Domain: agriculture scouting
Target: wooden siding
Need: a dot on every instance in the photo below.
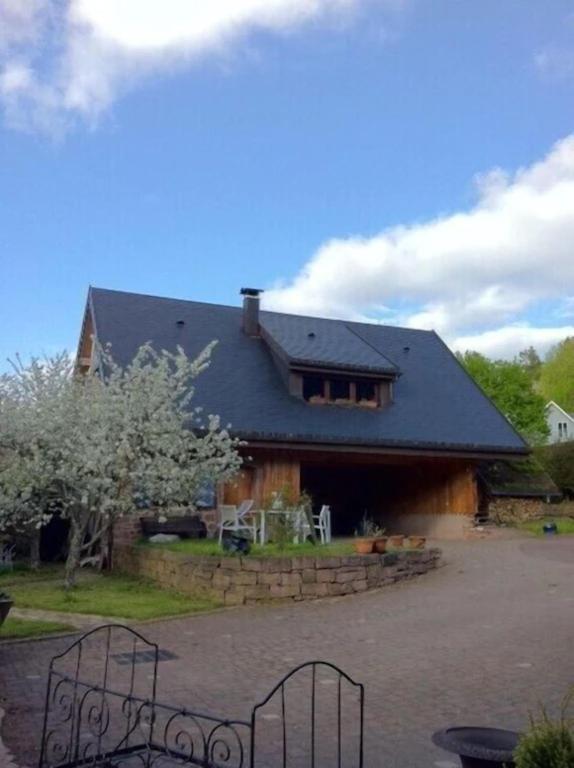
(240, 488)
(269, 473)
(385, 483)
(445, 488)
(86, 346)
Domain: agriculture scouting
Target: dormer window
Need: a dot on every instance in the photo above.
(313, 388)
(366, 392)
(340, 391)
(319, 390)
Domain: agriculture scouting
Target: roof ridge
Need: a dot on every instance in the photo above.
(237, 308)
(164, 298)
(372, 346)
(361, 323)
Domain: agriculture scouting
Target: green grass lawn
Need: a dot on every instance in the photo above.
(102, 595)
(21, 573)
(565, 525)
(211, 547)
(14, 628)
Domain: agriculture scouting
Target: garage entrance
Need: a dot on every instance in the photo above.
(402, 494)
(353, 492)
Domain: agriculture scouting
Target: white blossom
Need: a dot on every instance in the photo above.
(101, 445)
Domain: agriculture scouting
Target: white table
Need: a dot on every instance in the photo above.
(298, 522)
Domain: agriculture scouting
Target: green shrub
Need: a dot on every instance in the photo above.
(547, 744)
(558, 461)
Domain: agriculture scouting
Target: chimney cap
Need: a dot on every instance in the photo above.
(251, 292)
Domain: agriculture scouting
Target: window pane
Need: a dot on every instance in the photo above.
(313, 386)
(366, 390)
(340, 389)
(206, 496)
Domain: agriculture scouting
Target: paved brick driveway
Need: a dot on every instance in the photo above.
(479, 641)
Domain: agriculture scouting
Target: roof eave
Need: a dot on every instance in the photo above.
(311, 442)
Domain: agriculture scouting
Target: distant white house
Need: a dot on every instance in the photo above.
(560, 423)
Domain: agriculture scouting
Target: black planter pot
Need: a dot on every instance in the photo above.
(5, 605)
(236, 544)
(479, 747)
(550, 529)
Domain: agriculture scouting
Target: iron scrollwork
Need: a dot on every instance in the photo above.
(89, 723)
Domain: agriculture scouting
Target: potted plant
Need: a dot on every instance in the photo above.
(363, 545)
(547, 743)
(396, 541)
(290, 517)
(6, 603)
(416, 542)
(380, 540)
(367, 535)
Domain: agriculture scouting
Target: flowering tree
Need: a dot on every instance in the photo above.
(110, 441)
(31, 423)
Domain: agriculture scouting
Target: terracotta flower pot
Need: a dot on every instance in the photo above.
(396, 541)
(381, 544)
(364, 546)
(416, 542)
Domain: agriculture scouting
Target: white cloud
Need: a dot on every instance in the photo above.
(80, 54)
(19, 21)
(506, 342)
(555, 63)
(469, 274)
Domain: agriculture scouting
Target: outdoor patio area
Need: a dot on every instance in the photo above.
(479, 641)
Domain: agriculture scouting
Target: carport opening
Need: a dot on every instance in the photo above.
(355, 491)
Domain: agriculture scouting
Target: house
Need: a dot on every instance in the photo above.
(370, 419)
(560, 423)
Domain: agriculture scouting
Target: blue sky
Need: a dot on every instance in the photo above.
(400, 160)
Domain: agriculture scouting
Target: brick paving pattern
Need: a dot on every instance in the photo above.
(480, 641)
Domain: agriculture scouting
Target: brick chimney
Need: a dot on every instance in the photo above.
(251, 310)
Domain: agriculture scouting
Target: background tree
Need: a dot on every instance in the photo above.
(110, 441)
(530, 360)
(558, 461)
(510, 387)
(557, 375)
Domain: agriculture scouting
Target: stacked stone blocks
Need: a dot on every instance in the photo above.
(244, 580)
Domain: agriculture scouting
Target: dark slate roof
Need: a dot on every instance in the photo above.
(519, 478)
(436, 405)
(327, 343)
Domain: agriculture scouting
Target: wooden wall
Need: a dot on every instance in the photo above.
(397, 484)
(86, 344)
(240, 488)
(435, 489)
(269, 472)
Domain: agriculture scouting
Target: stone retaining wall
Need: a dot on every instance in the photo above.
(239, 580)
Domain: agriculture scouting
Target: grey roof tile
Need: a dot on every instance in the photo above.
(318, 341)
(436, 404)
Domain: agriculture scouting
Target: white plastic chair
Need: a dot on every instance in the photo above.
(321, 524)
(237, 519)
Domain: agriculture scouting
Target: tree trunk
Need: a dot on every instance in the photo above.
(74, 554)
(106, 543)
(35, 549)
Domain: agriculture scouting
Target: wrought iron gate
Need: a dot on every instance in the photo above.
(101, 710)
